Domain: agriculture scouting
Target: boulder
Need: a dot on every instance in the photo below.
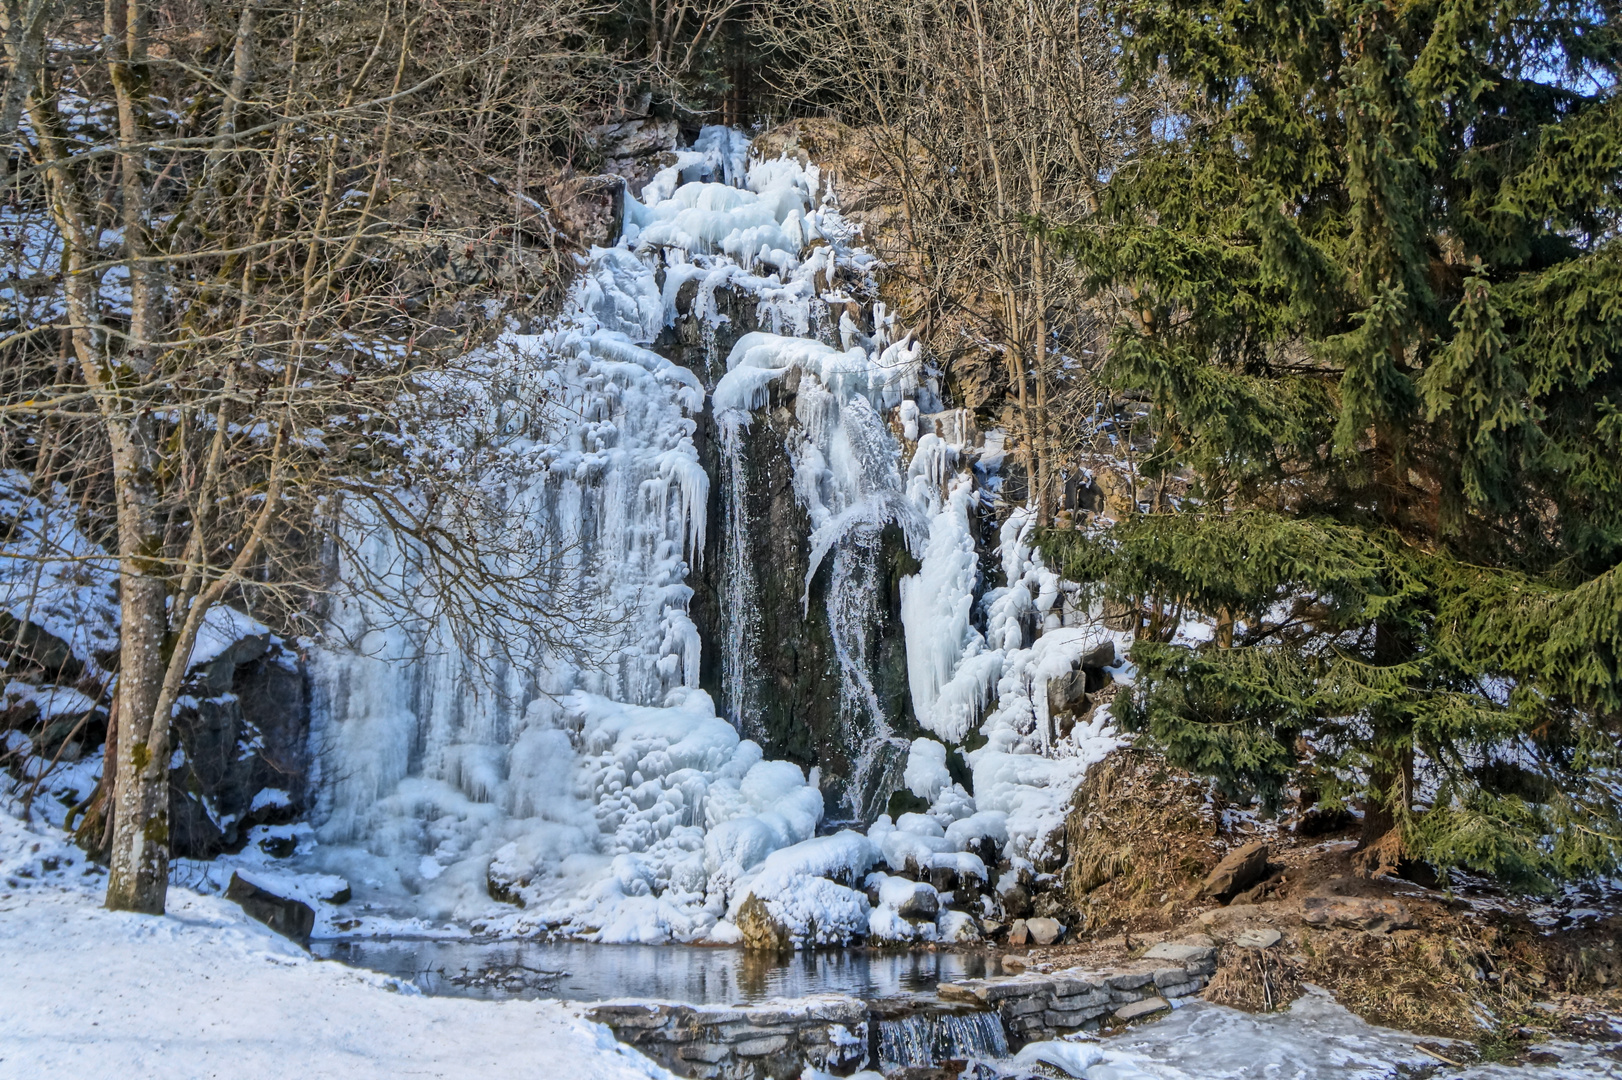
(1102, 656)
(1068, 693)
(1044, 931)
(1238, 871)
(290, 918)
(1263, 938)
(1019, 932)
(1181, 953)
(1016, 901)
(923, 903)
(957, 928)
(760, 930)
(1356, 913)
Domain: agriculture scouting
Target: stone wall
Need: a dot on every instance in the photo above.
(1035, 1007)
(756, 1042)
(775, 1041)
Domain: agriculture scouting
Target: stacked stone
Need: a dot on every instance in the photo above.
(754, 1042)
(1041, 1006)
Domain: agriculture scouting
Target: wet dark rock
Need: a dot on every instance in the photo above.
(290, 918)
(786, 695)
(242, 729)
(1016, 901)
(279, 847)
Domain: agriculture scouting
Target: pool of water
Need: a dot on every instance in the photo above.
(577, 971)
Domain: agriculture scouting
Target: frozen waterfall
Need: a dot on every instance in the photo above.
(517, 779)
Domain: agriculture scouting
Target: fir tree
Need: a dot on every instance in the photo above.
(1373, 267)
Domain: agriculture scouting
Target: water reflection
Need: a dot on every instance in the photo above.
(578, 971)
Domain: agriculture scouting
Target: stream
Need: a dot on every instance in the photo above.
(580, 971)
(1315, 1039)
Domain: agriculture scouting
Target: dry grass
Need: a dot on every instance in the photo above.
(1457, 980)
(1256, 980)
(1140, 836)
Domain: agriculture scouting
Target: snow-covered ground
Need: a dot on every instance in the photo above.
(205, 991)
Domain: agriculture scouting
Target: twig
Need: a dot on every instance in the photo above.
(1432, 1053)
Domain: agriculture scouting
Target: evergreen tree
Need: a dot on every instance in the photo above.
(1375, 285)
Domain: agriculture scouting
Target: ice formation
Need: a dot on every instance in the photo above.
(497, 776)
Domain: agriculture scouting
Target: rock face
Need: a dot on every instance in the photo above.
(243, 730)
(770, 662)
(290, 918)
(1238, 871)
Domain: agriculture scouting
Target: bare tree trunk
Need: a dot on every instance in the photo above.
(139, 877)
(24, 34)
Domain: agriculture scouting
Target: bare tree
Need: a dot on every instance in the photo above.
(982, 122)
(263, 235)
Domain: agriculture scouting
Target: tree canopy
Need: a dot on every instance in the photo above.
(1374, 286)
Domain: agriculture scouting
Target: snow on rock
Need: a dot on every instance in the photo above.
(49, 702)
(926, 775)
(222, 627)
(77, 990)
(957, 928)
(52, 575)
(806, 889)
(906, 910)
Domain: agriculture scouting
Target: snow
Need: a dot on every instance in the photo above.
(885, 923)
(222, 627)
(1313, 1038)
(206, 991)
(926, 775)
(52, 574)
(936, 606)
(50, 701)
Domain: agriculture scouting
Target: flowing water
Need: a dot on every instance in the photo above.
(926, 1039)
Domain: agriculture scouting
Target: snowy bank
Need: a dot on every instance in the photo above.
(206, 991)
